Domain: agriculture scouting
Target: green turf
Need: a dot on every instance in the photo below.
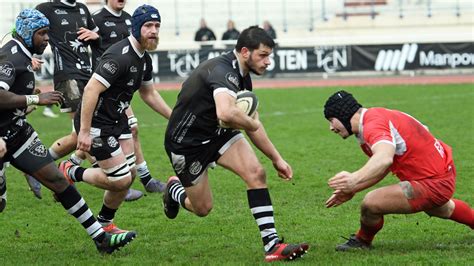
(39, 232)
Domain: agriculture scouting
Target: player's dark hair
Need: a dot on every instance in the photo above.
(252, 37)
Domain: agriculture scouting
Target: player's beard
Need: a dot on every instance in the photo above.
(253, 68)
(149, 44)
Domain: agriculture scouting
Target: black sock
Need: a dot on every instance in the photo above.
(106, 215)
(77, 207)
(261, 206)
(145, 179)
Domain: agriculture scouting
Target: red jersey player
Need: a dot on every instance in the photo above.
(399, 143)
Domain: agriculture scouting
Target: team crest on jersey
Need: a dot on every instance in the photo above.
(14, 49)
(123, 106)
(232, 79)
(60, 12)
(125, 49)
(81, 11)
(64, 22)
(112, 142)
(130, 83)
(37, 148)
(195, 168)
(113, 34)
(6, 70)
(110, 67)
(110, 24)
(133, 69)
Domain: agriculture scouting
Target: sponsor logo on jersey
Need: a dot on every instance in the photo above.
(31, 85)
(37, 148)
(6, 70)
(60, 12)
(130, 83)
(125, 49)
(113, 34)
(110, 67)
(396, 59)
(232, 79)
(81, 11)
(110, 24)
(133, 69)
(128, 22)
(14, 49)
(64, 22)
(112, 142)
(195, 168)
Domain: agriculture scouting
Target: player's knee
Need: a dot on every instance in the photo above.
(256, 176)
(203, 210)
(119, 176)
(369, 204)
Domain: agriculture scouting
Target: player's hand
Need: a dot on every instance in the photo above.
(337, 198)
(84, 141)
(51, 97)
(343, 181)
(36, 63)
(284, 169)
(87, 35)
(3, 147)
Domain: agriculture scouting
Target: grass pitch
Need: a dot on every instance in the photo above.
(40, 232)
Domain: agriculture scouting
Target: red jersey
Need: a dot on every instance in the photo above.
(418, 154)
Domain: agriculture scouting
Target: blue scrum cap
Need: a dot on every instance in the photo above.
(142, 14)
(28, 22)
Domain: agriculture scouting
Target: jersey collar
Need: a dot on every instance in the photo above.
(130, 39)
(23, 48)
(68, 4)
(113, 12)
(238, 63)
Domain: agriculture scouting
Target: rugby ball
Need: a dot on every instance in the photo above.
(246, 101)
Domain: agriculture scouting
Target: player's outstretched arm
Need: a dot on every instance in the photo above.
(261, 140)
(9, 100)
(153, 99)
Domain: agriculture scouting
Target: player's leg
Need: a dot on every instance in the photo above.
(456, 210)
(385, 200)
(151, 184)
(33, 159)
(240, 158)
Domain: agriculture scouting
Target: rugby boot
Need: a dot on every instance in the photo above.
(170, 206)
(285, 251)
(133, 194)
(353, 243)
(113, 242)
(154, 186)
(113, 229)
(35, 186)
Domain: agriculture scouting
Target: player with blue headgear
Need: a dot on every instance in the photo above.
(144, 15)
(27, 23)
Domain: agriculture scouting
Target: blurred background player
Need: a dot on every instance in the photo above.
(114, 25)
(24, 149)
(194, 140)
(102, 124)
(399, 143)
